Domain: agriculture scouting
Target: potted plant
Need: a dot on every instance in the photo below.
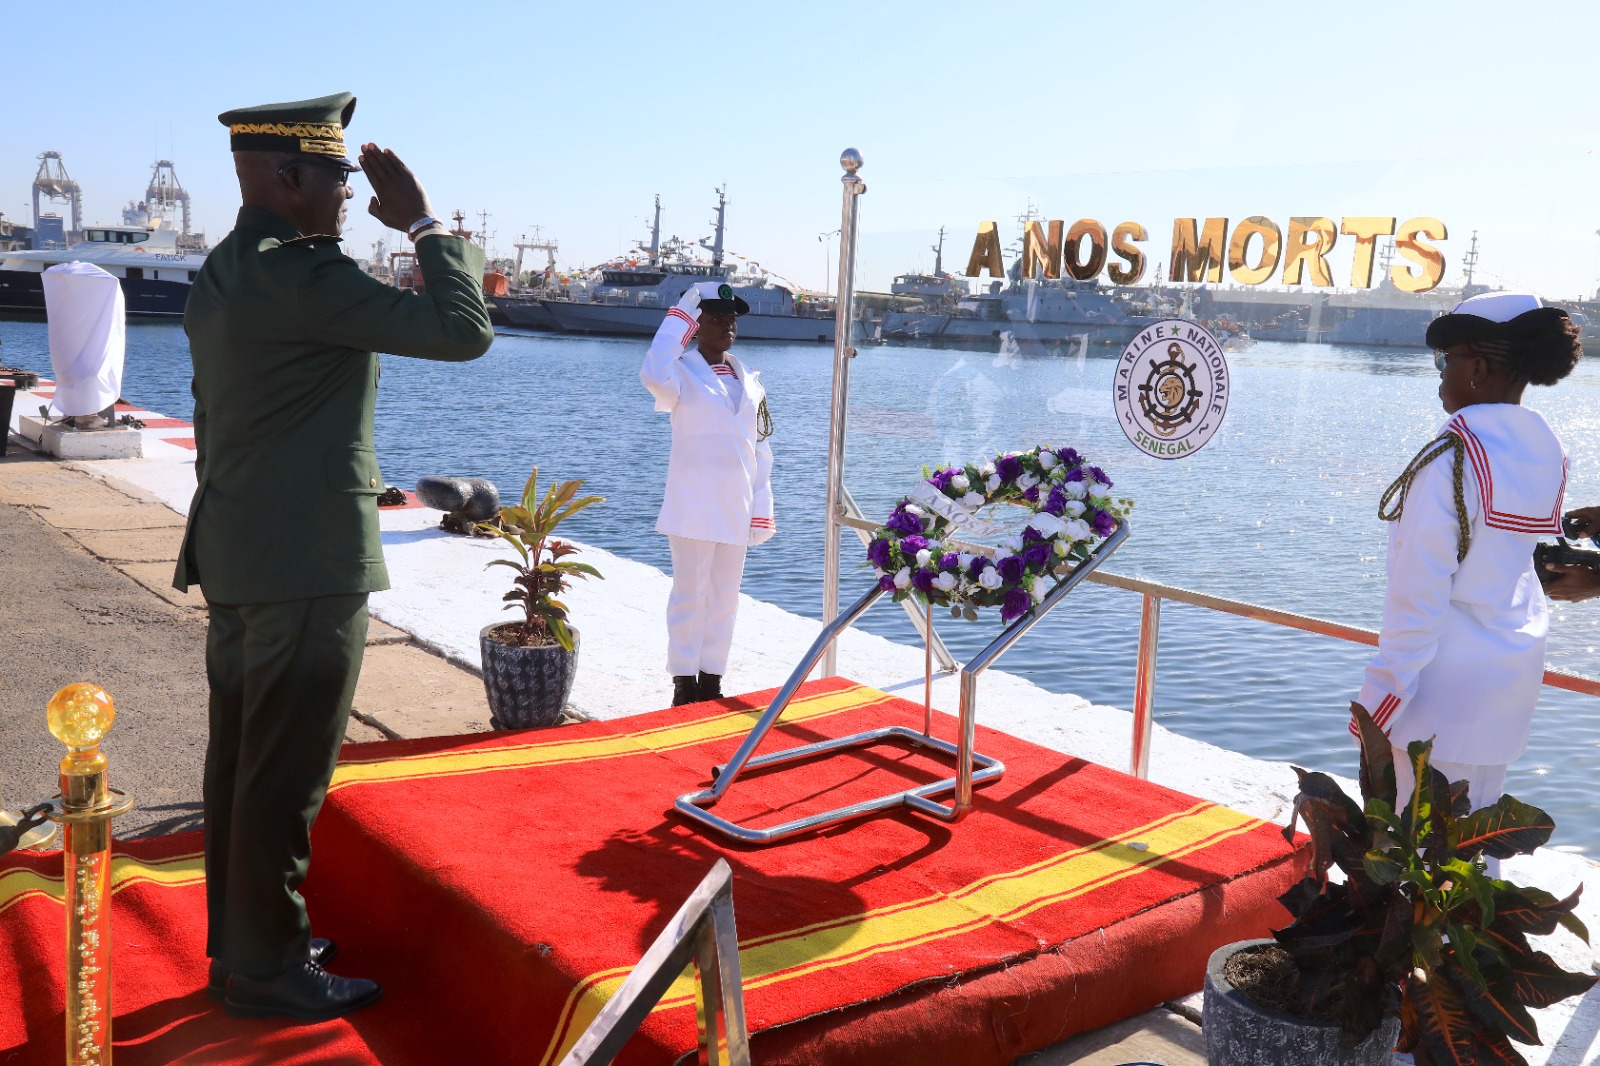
(528, 665)
(1417, 949)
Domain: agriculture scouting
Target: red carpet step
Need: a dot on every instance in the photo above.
(502, 886)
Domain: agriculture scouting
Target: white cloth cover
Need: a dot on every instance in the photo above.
(702, 605)
(88, 336)
(719, 475)
(1461, 655)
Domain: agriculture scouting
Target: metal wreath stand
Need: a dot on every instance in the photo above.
(972, 769)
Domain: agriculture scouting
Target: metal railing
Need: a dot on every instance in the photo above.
(1154, 593)
(702, 932)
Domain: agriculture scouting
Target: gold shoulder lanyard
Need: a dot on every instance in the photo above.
(1402, 485)
(763, 421)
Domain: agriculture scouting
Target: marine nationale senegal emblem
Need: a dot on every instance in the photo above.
(1170, 390)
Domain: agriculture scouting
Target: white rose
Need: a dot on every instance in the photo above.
(990, 578)
(912, 508)
(945, 582)
(1002, 552)
(1075, 490)
(986, 469)
(902, 580)
(1047, 524)
(923, 556)
(1048, 460)
(1038, 589)
(1014, 542)
(965, 559)
(960, 483)
(1063, 546)
(992, 483)
(1027, 480)
(1078, 529)
(1098, 488)
(1073, 508)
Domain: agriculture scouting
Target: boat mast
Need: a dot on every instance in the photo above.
(1470, 260)
(716, 245)
(938, 255)
(655, 236)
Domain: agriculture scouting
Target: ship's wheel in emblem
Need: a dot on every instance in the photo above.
(1169, 397)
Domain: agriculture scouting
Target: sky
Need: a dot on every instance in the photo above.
(573, 117)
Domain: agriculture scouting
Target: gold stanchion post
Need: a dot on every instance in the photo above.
(80, 716)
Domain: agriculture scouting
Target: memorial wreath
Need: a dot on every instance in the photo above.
(1071, 510)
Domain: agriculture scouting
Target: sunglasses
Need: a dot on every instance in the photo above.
(1439, 358)
(343, 172)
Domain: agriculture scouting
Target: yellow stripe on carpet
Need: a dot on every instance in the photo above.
(1001, 897)
(126, 871)
(588, 749)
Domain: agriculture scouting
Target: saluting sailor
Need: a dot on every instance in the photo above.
(1461, 655)
(719, 480)
(283, 529)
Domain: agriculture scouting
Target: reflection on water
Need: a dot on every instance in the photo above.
(1279, 508)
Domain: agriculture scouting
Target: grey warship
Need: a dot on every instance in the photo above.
(631, 297)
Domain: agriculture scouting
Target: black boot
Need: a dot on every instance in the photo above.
(307, 992)
(710, 686)
(685, 689)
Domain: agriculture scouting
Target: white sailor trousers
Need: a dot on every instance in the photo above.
(703, 604)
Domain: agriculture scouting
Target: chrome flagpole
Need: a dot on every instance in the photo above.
(843, 352)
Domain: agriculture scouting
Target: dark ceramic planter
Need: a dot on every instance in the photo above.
(1239, 1033)
(527, 687)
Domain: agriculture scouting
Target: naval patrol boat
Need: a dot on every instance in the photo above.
(631, 296)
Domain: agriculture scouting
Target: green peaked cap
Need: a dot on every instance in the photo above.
(314, 127)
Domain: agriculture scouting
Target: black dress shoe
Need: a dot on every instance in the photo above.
(307, 992)
(710, 686)
(685, 689)
(322, 952)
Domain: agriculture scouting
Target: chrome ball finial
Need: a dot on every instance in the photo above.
(850, 160)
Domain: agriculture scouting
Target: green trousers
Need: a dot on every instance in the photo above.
(283, 676)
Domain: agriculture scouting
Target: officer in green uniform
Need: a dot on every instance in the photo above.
(283, 531)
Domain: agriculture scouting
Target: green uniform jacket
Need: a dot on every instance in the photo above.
(283, 331)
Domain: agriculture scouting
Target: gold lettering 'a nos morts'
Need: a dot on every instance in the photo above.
(1310, 241)
(1425, 255)
(1038, 249)
(1121, 239)
(1197, 256)
(1239, 248)
(1366, 230)
(1085, 269)
(986, 252)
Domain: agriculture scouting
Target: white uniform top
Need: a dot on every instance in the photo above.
(719, 476)
(1461, 655)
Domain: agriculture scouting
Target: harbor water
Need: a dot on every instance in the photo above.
(1280, 508)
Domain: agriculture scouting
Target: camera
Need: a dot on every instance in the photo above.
(1562, 553)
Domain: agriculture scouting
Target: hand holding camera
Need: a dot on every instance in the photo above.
(1566, 571)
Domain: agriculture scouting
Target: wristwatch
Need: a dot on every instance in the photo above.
(416, 228)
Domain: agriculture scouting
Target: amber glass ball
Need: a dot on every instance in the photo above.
(81, 715)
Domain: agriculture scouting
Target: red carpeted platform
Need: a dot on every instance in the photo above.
(502, 886)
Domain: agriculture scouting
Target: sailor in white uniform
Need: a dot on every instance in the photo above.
(1461, 655)
(719, 479)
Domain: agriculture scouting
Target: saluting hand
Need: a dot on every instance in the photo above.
(398, 199)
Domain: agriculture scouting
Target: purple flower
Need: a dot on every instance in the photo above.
(1057, 502)
(1031, 534)
(903, 521)
(1069, 456)
(1011, 568)
(1075, 474)
(878, 553)
(1015, 606)
(1100, 476)
(941, 479)
(1009, 467)
(1103, 523)
(1037, 554)
(923, 580)
(950, 561)
(913, 544)
(886, 582)
(979, 563)
(1032, 495)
